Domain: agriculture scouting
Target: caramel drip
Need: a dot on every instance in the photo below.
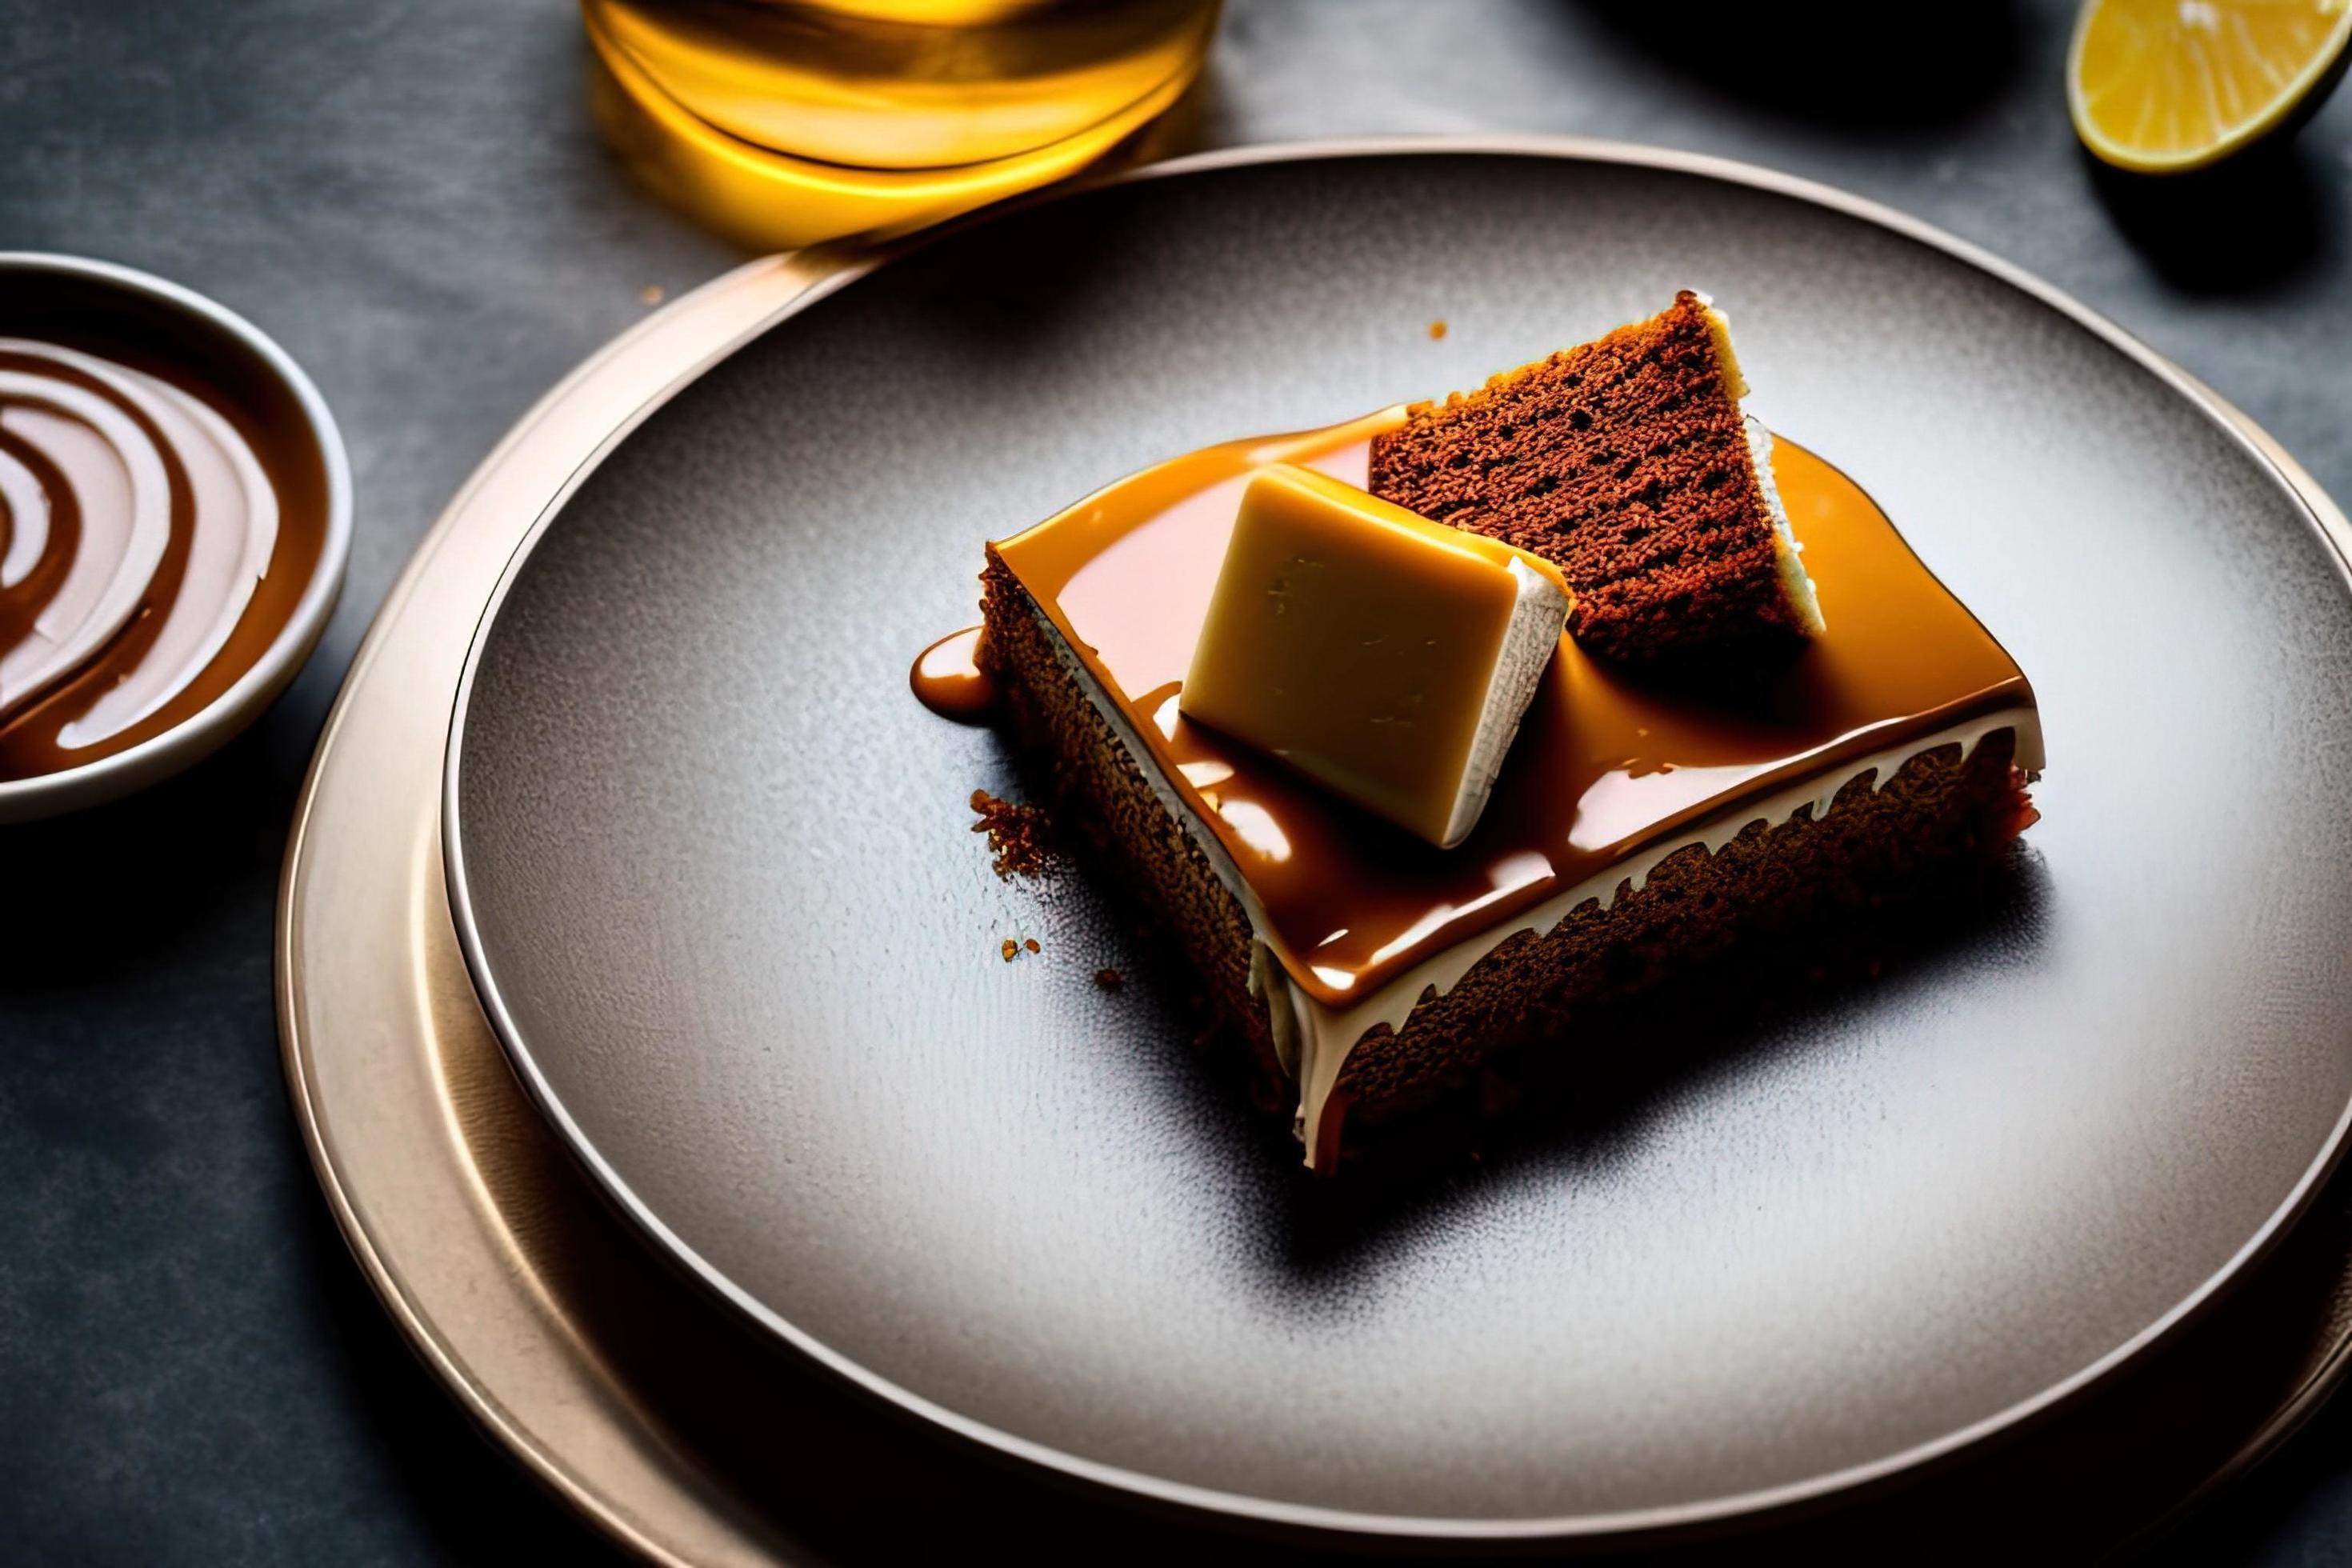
(138, 526)
(947, 679)
(1605, 763)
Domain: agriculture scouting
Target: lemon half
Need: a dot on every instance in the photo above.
(2162, 87)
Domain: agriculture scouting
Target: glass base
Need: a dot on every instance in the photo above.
(772, 201)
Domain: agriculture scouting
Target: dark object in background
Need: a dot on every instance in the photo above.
(2251, 228)
(1850, 63)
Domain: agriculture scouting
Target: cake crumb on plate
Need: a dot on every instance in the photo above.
(1017, 834)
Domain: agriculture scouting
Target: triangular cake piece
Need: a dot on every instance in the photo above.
(1627, 463)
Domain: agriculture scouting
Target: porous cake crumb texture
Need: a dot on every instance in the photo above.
(1626, 463)
(1018, 835)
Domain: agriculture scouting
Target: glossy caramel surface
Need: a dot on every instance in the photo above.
(947, 679)
(155, 541)
(1605, 761)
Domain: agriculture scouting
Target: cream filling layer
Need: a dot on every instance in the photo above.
(1530, 642)
(1787, 553)
(1313, 1039)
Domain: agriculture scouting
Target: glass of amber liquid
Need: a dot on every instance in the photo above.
(785, 122)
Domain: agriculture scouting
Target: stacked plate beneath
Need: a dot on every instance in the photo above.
(981, 1233)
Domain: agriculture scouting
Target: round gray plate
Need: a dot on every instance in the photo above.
(710, 864)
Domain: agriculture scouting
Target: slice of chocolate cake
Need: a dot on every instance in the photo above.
(1636, 831)
(1637, 828)
(1627, 463)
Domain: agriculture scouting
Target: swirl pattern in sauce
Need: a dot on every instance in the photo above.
(139, 521)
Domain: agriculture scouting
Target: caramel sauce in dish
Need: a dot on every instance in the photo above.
(1606, 763)
(149, 553)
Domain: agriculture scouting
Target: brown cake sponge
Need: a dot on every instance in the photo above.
(1626, 462)
(1940, 809)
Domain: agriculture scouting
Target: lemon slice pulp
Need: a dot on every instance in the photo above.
(2167, 86)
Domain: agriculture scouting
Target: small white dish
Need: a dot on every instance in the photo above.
(41, 293)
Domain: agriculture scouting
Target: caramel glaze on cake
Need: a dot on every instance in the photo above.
(1639, 826)
(1626, 462)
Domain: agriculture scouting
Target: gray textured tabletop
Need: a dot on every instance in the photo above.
(410, 198)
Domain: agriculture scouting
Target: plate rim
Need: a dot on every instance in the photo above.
(2320, 514)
